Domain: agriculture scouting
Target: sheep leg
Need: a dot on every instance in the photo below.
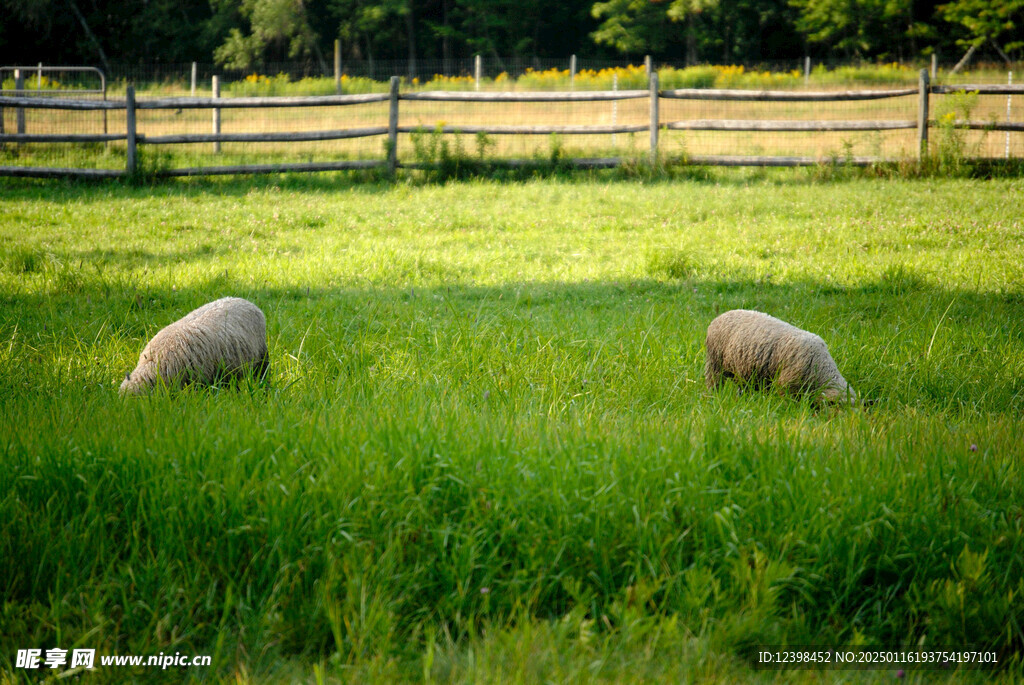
(262, 368)
(713, 376)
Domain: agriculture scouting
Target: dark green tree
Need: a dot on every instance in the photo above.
(856, 28)
(632, 27)
(276, 28)
(996, 22)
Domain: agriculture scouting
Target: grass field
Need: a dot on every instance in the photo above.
(486, 454)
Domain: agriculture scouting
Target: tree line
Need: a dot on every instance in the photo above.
(248, 34)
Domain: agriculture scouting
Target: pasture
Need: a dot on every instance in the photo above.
(428, 115)
(485, 452)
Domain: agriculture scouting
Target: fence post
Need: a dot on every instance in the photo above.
(19, 85)
(1009, 103)
(935, 65)
(655, 120)
(922, 116)
(477, 70)
(647, 66)
(337, 65)
(572, 72)
(216, 114)
(393, 128)
(129, 123)
(103, 85)
(615, 104)
(807, 70)
(194, 72)
(39, 77)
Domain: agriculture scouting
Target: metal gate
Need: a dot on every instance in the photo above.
(20, 74)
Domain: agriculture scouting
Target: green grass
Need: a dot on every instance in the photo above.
(486, 454)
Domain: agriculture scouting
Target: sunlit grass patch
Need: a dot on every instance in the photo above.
(485, 452)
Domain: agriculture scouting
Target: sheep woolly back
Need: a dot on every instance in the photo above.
(221, 339)
(760, 349)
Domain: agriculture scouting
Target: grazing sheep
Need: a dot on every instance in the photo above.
(761, 349)
(224, 338)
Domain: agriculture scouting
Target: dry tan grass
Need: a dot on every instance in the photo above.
(898, 143)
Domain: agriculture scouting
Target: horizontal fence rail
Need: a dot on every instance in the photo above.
(534, 96)
(61, 137)
(59, 172)
(983, 125)
(756, 161)
(132, 137)
(980, 89)
(528, 130)
(783, 95)
(574, 163)
(250, 102)
(785, 125)
(282, 137)
(58, 103)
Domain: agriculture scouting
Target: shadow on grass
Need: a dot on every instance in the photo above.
(899, 338)
(89, 190)
(896, 290)
(374, 182)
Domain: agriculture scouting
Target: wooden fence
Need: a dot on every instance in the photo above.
(130, 104)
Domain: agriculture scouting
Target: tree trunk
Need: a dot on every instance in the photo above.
(691, 40)
(320, 58)
(1002, 54)
(369, 56)
(410, 26)
(964, 60)
(445, 50)
(90, 34)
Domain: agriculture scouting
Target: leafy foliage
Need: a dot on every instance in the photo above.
(987, 20)
(251, 34)
(631, 26)
(856, 27)
(276, 26)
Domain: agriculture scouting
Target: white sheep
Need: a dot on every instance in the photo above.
(221, 339)
(760, 349)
